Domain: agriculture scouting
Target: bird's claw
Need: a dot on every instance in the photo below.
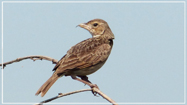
(93, 90)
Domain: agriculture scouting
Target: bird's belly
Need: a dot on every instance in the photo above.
(87, 71)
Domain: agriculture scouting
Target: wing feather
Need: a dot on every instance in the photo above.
(83, 55)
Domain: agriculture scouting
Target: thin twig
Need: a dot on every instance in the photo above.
(78, 91)
(33, 57)
(61, 95)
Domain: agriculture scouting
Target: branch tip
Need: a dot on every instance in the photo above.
(32, 57)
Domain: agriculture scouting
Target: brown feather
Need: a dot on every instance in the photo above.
(46, 86)
(87, 53)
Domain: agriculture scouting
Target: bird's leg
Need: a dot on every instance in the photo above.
(84, 79)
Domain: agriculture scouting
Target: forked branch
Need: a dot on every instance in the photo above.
(78, 91)
(33, 57)
(54, 61)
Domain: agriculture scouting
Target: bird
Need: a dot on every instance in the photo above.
(85, 57)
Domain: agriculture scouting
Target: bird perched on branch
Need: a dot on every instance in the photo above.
(85, 57)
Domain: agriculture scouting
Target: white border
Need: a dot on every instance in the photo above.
(106, 2)
(2, 50)
(93, 1)
(185, 52)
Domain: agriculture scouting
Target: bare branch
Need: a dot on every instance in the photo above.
(78, 91)
(32, 57)
(61, 95)
(54, 61)
(104, 96)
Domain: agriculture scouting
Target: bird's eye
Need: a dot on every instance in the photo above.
(95, 24)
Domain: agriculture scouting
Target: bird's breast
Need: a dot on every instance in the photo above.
(85, 71)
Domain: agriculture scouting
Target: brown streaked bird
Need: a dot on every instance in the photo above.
(85, 57)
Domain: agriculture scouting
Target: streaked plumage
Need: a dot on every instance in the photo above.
(85, 57)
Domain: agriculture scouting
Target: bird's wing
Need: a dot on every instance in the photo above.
(83, 55)
(58, 63)
(100, 54)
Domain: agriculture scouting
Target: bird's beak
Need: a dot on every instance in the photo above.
(85, 26)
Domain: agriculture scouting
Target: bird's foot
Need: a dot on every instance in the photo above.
(94, 86)
(93, 90)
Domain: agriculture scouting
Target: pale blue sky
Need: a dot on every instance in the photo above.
(146, 64)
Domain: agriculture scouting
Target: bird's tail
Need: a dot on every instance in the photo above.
(46, 86)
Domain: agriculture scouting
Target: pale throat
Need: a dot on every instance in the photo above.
(96, 36)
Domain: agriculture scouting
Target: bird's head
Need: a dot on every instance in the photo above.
(97, 28)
